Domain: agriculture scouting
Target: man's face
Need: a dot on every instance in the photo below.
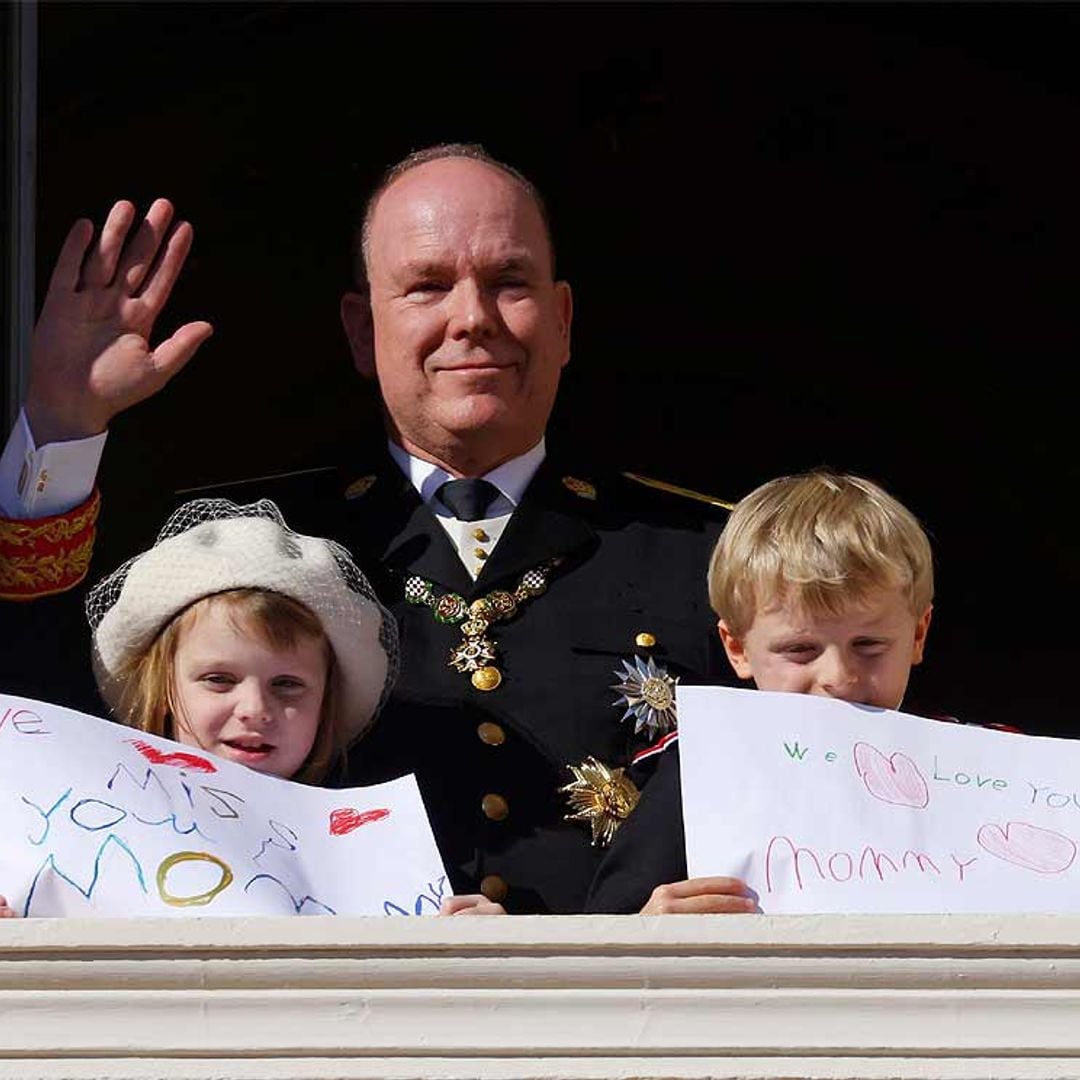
(863, 655)
(470, 330)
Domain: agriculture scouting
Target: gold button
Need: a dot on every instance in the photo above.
(480, 553)
(495, 807)
(645, 640)
(479, 534)
(486, 678)
(490, 733)
(494, 888)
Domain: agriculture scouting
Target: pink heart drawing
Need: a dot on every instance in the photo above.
(894, 779)
(1041, 850)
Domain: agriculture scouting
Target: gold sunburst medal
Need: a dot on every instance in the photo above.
(601, 796)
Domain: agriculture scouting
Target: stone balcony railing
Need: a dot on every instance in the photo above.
(530, 998)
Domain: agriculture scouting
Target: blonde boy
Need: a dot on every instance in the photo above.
(823, 584)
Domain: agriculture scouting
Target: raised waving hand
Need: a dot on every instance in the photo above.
(92, 355)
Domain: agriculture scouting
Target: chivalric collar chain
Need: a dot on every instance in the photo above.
(476, 654)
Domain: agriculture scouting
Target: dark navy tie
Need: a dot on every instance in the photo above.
(468, 500)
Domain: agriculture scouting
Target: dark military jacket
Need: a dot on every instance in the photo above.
(490, 764)
(650, 847)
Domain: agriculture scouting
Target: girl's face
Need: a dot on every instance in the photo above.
(242, 699)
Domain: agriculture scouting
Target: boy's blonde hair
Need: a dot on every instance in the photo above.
(821, 540)
(148, 700)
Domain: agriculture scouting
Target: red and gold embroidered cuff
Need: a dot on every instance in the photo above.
(49, 555)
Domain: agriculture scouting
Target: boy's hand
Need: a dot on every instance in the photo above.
(471, 904)
(5, 911)
(703, 895)
(91, 355)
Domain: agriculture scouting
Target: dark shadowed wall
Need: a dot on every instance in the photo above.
(798, 235)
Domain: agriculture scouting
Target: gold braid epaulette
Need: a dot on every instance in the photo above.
(675, 489)
(49, 555)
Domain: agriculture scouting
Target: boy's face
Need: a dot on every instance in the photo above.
(863, 655)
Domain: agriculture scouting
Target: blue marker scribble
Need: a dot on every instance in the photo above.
(170, 818)
(187, 791)
(432, 894)
(222, 799)
(104, 824)
(88, 892)
(45, 814)
(290, 840)
(297, 904)
(141, 785)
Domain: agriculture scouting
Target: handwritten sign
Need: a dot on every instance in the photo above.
(822, 806)
(99, 819)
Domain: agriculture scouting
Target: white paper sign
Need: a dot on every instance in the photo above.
(821, 806)
(99, 819)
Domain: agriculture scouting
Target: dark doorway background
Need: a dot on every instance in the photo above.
(797, 234)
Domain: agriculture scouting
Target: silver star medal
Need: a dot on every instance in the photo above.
(648, 694)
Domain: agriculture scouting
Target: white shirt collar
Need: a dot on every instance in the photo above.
(511, 477)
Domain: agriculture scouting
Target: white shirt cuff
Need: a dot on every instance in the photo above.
(37, 482)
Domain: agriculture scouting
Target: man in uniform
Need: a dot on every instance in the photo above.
(545, 614)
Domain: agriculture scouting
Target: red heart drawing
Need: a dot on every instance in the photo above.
(345, 820)
(1041, 850)
(180, 759)
(894, 779)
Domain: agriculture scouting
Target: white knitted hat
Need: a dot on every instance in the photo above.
(209, 546)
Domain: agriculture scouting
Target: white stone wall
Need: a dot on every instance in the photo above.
(539, 998)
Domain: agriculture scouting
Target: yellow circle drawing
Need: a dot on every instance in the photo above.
(200, 898)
